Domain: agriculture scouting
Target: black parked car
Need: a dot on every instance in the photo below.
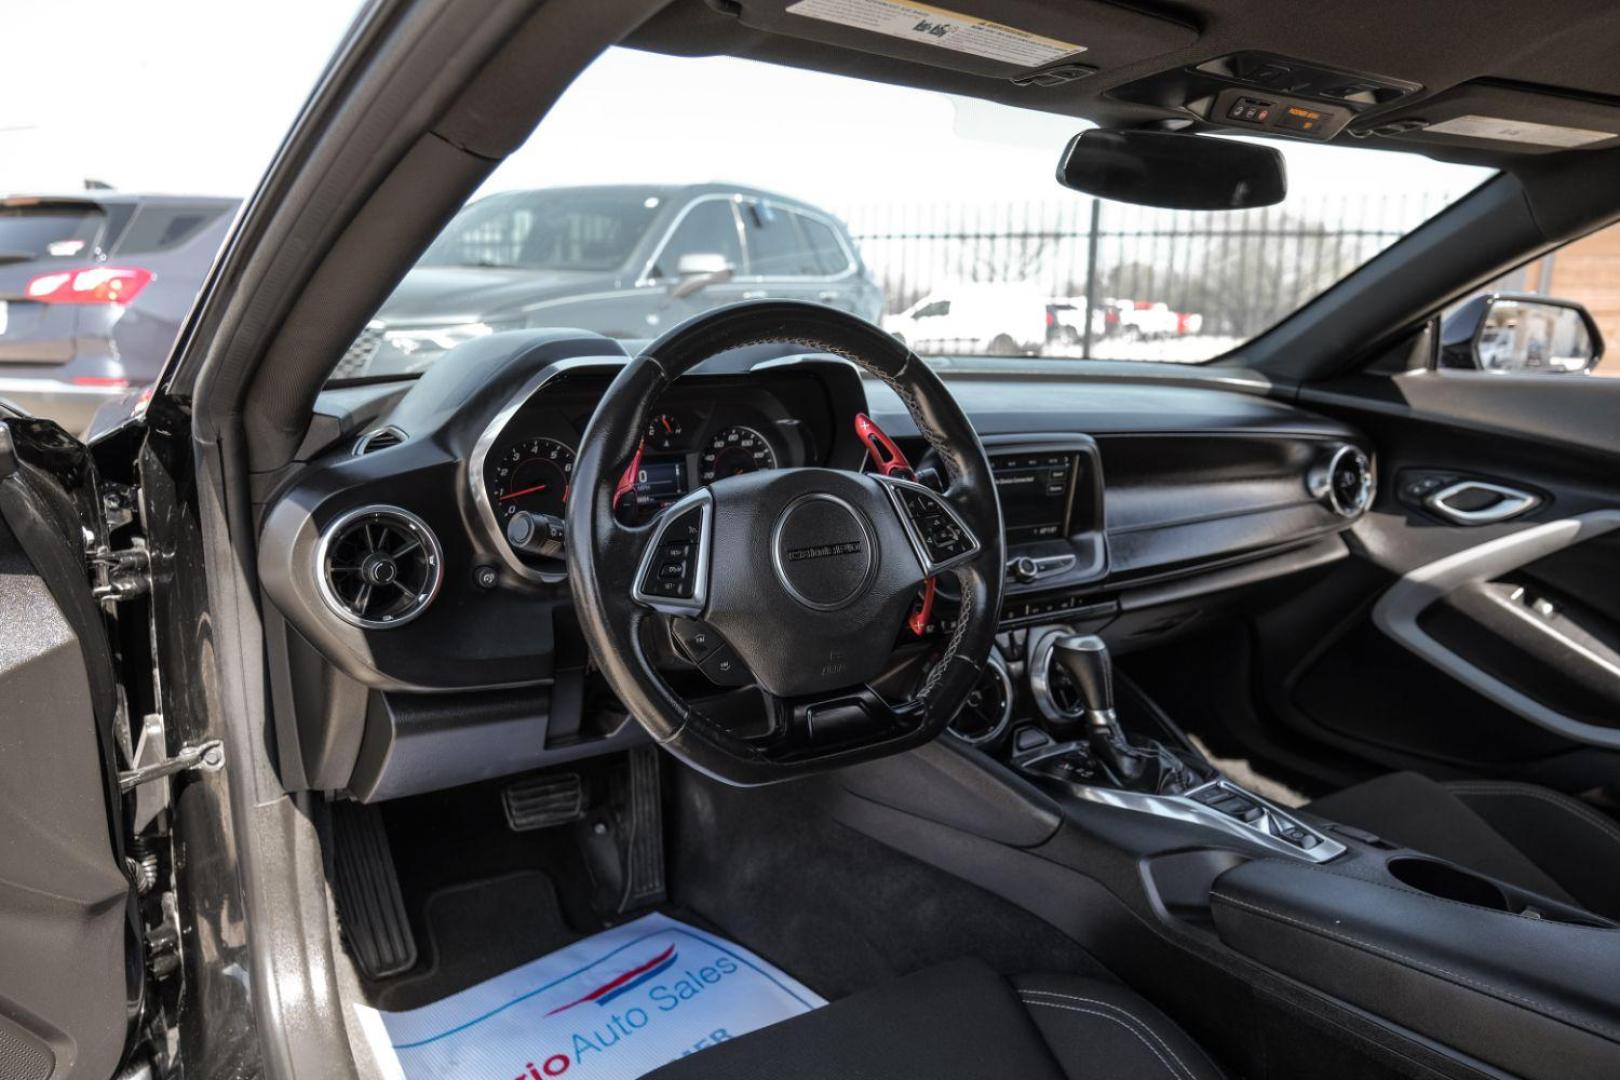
(92, 291)
(622, 260)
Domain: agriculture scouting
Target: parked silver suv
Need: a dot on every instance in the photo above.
(622, 260)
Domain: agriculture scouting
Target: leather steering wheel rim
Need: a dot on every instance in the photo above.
(606, 556)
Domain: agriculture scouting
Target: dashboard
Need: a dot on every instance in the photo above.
(417, 646)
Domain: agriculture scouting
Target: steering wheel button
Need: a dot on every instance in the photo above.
(677, 551)
(696, 639)
(724, 668)
(673, 571)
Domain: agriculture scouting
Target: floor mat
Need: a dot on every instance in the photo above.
(610, 1007)
(476, 930)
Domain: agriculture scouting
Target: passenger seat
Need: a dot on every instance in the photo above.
(1523, 834)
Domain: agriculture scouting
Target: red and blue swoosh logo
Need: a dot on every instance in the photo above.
(626, 982)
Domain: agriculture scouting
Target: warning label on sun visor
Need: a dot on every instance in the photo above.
(1520, 131)
(945, 29)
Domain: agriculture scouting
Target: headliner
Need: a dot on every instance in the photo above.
(1524, 50)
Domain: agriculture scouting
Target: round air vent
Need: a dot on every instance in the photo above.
(1349, 482)
(988, 707)
(378, 566)
(1054, 692)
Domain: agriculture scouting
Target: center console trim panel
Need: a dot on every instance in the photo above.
(1264, 833)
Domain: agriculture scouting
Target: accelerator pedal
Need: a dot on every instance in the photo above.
(543, 801)
(644, 847)
(622, 839)
(371, 910)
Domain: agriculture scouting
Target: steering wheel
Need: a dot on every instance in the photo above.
(805, 574)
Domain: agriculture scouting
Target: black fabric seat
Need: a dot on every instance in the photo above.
(962, 1021)
(1525, 835)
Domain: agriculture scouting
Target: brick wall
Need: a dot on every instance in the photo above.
(1588, 271)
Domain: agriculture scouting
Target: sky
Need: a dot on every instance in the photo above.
(193, 96)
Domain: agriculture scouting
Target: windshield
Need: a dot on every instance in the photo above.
(935, 217)
(569, 229)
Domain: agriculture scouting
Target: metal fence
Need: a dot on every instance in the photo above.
(1207, 279)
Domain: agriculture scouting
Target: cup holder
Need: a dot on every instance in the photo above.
(1448, 882)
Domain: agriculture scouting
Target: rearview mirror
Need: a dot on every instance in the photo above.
(1172, 170)
(1507, 332)
(697, 271)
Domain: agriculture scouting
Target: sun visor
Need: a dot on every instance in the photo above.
(1500, 119)
(1003, 39)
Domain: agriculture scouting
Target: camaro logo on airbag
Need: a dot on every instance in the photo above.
(822, 551)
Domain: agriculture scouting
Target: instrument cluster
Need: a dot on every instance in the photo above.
(527, 463)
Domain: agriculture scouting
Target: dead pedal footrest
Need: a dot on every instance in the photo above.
(371, 910)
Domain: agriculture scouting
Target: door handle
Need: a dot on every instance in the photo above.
(1460, 502)
(755, 294)
(827, 296)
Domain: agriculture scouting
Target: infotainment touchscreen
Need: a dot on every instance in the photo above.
(1034, 491)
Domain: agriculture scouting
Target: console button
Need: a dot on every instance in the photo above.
(1030, 738)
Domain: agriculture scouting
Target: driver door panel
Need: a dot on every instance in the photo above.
(70, 965)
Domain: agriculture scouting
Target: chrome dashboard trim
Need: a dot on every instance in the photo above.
(998, 667)
(1265, 832)
(486, 442)
(414, 524)
(1040, 685)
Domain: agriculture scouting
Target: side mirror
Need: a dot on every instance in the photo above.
(1509, 332)
(1173, 170)
(696, 272)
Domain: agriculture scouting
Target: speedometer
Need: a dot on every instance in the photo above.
(532, 475)
(732, 452)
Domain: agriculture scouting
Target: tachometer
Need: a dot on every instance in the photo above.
(735, 451)
(532, 475)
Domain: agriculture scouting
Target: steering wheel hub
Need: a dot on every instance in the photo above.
(824, 551)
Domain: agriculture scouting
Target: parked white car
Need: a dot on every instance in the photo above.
(994, 319)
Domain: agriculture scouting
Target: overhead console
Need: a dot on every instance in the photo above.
(1265, 93)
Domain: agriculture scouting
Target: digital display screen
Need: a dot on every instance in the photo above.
(660, 480)
(1297, 118)
(1034, 493)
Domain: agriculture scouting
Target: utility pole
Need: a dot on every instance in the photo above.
(1091, 274)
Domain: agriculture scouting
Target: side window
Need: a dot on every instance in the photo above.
(775, 247)
(159, 228)
(1534, 321)
(829, 255)
(707, 229)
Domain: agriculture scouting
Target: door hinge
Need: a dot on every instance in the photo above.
(202, 757)
(124, 574)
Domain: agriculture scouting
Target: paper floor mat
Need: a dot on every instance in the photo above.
(611, 1007)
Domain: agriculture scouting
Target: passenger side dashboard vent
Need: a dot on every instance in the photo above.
(1346, 483)
(378, 567)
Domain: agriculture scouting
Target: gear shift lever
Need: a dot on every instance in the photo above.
(1085, 658)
